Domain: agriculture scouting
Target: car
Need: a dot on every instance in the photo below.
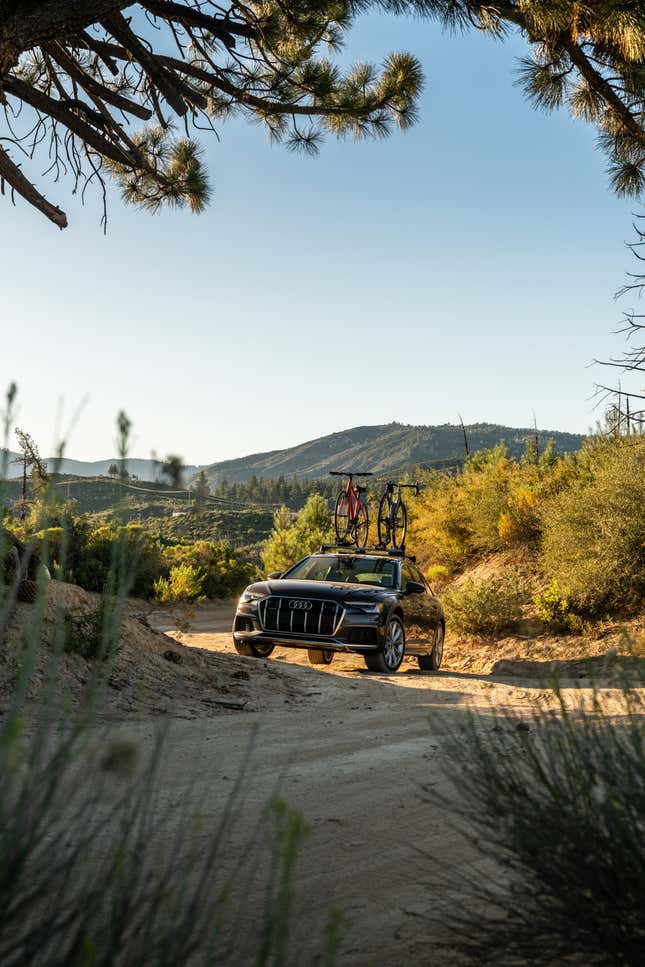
(373, 603)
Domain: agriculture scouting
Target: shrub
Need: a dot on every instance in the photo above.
(556, 815)
(92, 632)
(553, 607)
(594, 531)
(224, 572)
(183, 586)
(289, 541)
(487, 606)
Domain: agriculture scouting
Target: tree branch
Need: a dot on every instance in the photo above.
(60, 55)
(11, 172)
(222, 29)
(118, 27)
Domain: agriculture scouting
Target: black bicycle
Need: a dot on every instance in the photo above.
(393, 514)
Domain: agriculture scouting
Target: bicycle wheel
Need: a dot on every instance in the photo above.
(361, 526)
(399, 524)
(383, 523)
(341, 517)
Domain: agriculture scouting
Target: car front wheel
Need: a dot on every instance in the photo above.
(432, 662)
(319, 656)
(251, 650)
(389, 659)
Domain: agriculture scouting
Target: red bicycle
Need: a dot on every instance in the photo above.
(351, 515)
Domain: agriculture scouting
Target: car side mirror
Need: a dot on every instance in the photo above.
(274, 575)
(414, 587)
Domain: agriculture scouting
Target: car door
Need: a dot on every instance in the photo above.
(421, 612)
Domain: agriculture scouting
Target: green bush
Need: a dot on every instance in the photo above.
(224, 572)
(92, 632)
(553, 607)
(184, 585)
(594, 531)
(289, 541)
(487, 606)
(556, 813)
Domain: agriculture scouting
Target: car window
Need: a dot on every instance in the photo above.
(346, 569)
(418, 576)
(406, 574)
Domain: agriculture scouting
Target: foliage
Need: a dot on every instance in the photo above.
(553, 608)
(289, 493)
(593, 540)
(200, 490)
(556, 816)
(184, 585)
(87, 74)
(290, 541)
(172, 468)
(489, 505)
(223, 572)
(181, 591)
(487, 606)
(93, 632)
(94, 869)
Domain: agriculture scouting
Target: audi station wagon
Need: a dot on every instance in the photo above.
(377, 605)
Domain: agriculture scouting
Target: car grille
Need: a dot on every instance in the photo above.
(319, 621)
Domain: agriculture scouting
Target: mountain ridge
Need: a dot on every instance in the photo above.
(381, 448)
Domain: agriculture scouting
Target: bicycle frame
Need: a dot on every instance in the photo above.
(353, 500)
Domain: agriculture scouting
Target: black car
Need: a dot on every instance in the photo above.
(376, 604)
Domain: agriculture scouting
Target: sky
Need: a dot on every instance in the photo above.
(467, 266)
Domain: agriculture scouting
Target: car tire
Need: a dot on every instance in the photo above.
(432, 662)
(388, 660)
(319, 656)
(250, 650)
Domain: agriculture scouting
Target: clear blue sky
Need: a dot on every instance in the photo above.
(467, 265)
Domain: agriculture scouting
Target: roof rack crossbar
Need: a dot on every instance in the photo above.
(378, 549)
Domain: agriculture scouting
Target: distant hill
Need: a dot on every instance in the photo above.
(383, 449)
(143, 469)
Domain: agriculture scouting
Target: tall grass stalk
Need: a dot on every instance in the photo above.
(94, 869)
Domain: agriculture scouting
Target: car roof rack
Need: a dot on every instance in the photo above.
(351, 548)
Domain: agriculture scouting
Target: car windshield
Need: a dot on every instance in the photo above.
(347, 569)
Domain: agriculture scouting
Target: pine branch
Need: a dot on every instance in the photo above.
(12, 174)
(66, 61)
(222, 29)
(118, 27)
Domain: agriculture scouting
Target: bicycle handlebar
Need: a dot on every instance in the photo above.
(410, 486)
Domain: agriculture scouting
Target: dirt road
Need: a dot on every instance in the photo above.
(356, 753)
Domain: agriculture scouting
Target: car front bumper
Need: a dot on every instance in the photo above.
(359, 632)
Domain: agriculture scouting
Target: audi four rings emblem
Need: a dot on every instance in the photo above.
(300, 605)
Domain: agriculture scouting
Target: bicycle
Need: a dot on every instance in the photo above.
(351, 513)
(392, 520)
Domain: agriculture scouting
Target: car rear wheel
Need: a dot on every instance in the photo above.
(253, 651)
(318, 656)
(389, 659)
(432, 662)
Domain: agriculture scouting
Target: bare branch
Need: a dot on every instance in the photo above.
(11, 173)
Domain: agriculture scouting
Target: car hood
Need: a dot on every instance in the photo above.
(328, 590)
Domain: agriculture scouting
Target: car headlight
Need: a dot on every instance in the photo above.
(371, 606)
(248, 596)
